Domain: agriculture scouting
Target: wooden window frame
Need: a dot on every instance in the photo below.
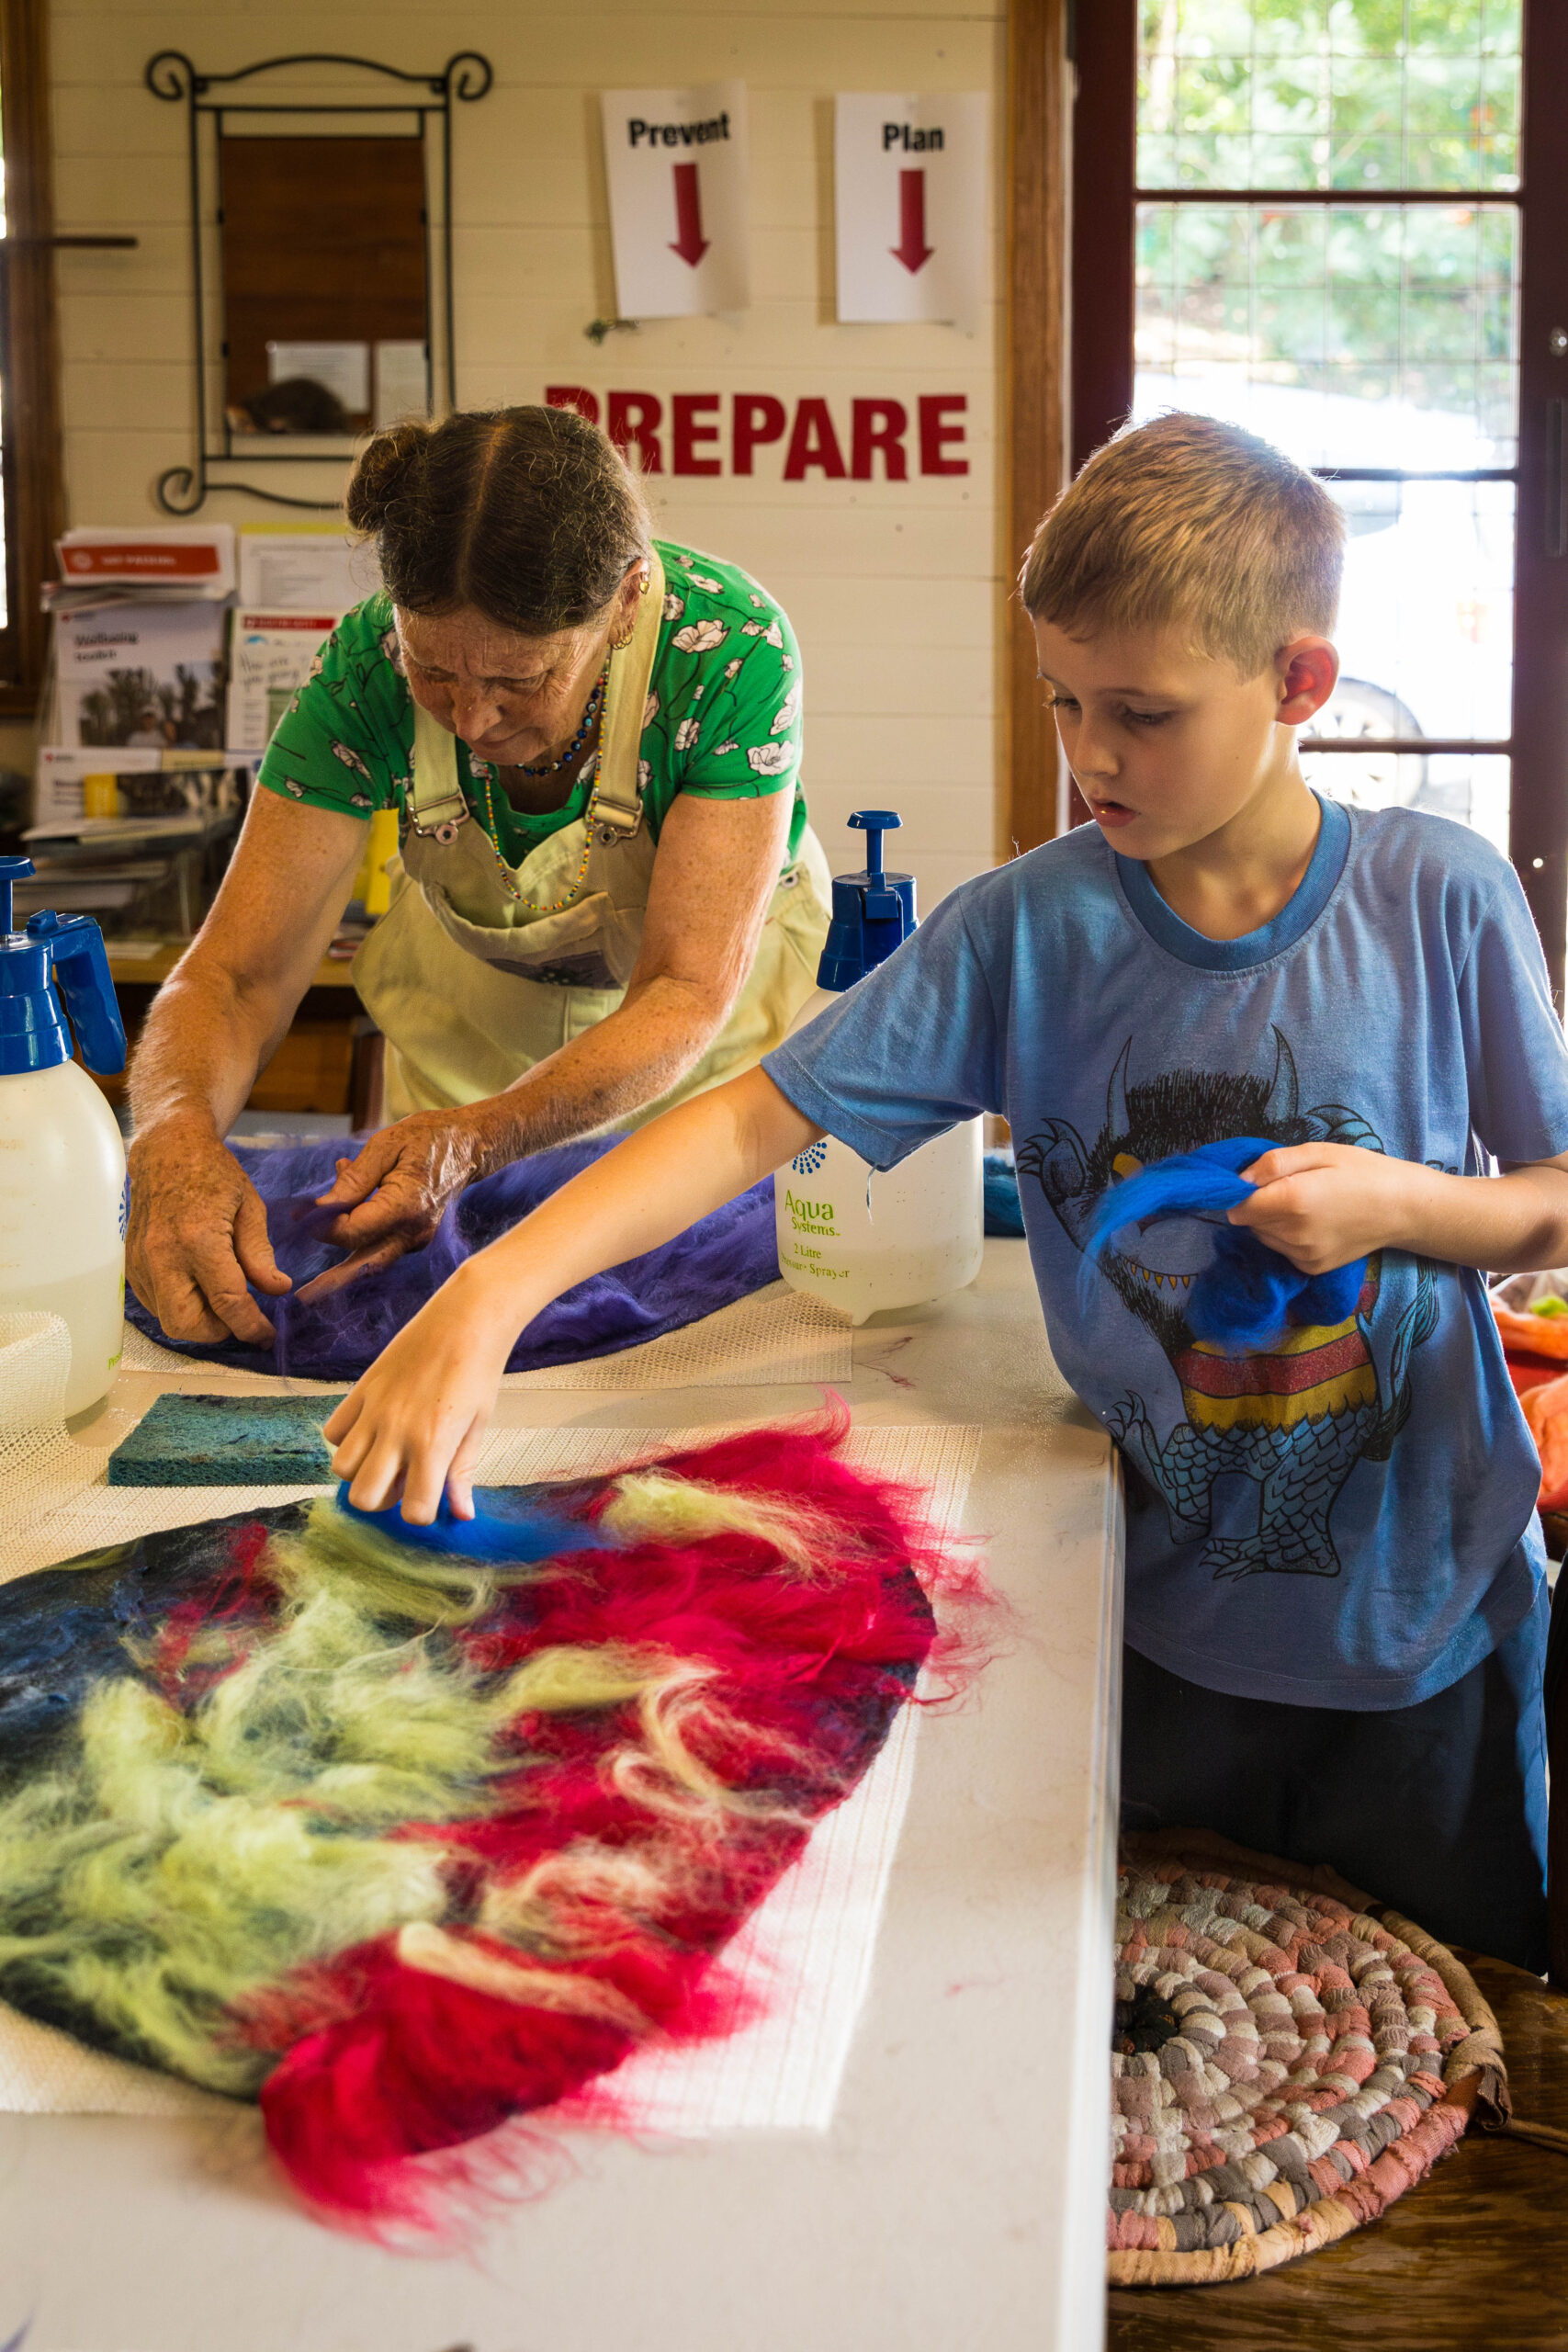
(30, 369)
(1038, 153)
(1103, 299)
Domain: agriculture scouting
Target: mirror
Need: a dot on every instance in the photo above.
(321, 260)
(325, 285)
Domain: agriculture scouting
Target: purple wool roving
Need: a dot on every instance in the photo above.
(722, 1257)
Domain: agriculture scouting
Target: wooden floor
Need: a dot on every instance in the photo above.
(1476, 2255)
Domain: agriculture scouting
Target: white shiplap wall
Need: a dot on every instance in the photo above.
(895, 589)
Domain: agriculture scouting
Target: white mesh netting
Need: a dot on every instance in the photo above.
(774, 1337)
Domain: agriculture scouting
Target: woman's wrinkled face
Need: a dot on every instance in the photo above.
(514, 700)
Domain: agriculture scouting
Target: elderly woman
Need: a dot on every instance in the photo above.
(608, 894)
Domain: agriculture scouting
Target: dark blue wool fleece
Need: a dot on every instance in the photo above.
(1247, 1295)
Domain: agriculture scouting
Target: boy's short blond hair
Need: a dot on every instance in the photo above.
(1189, 522)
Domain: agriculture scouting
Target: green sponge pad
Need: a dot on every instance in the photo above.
(227, 1441)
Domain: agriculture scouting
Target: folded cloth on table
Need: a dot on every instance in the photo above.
(723, 1257)
(1546, 1410)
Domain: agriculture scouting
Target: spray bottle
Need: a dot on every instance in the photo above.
(862, 1239)
(62, 1189)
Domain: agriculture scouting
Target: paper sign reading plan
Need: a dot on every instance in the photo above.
(677, 164)
(910, 200)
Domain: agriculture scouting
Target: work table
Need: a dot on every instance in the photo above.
(956, 2203)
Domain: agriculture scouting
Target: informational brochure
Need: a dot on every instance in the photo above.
(139, 677)
(77, 788)
(271, 658)
(183, 559)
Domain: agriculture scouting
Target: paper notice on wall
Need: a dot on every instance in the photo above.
(272, 657)
(402, 382)
(341, 368)
(290, 569)
(140, 677)
(186, 560)
(677, 163)
(909, 196)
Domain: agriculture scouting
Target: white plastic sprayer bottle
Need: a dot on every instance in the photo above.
(62, 1198)
(861, 1239)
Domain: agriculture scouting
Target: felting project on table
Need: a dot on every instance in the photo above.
(722, 1257)
(403, 1840)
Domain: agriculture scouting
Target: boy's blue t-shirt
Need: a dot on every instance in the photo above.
(1347, 1519)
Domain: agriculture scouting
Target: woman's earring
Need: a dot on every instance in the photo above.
(619, 644)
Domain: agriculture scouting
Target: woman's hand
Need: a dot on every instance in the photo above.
(198, 1235)
(412, 1425)
(1323, 1205)
(393, 1193)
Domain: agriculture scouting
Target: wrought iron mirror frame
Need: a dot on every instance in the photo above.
(172, 77)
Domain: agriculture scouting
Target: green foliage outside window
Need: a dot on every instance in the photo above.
(1349, 97)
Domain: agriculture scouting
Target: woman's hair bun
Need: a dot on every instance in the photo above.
(529, 515)
(383, 475)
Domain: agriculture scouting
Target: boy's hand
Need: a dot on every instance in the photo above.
(412, 1425)
(1321, 1205)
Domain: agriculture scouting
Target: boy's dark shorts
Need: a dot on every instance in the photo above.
(1438, 1809)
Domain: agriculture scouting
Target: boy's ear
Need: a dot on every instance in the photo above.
(1306, 670)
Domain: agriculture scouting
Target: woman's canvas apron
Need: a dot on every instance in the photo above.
(471, 985)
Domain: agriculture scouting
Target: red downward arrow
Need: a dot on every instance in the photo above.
(690, 241)
(911, 248)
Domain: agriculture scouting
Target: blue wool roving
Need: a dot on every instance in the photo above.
(508, 1525)
(1248, 1294)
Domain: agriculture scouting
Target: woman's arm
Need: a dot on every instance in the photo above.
(410, 1426)
(714, 871)
(1323, 1205)
(198, 1228)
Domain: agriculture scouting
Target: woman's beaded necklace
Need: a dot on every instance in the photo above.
(595, 703)
(554, 767)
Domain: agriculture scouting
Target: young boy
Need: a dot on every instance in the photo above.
(1336, 1605)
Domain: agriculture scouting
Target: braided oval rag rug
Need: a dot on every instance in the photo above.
(1286, 2061)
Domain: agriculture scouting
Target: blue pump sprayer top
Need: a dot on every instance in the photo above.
(874, 913)
(54, 953)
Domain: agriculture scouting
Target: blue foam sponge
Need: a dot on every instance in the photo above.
(508, 1524)
(227, 1441)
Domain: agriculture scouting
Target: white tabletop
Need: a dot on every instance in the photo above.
(955, 2205)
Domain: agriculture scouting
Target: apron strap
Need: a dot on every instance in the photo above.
(437, 806)
(617, 793)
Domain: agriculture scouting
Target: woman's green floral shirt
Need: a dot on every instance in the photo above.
(722, 719)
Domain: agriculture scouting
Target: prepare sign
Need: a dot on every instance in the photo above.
(678, 169)
(910, 199)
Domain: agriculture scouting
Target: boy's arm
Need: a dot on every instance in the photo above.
(412, 1424)
(1323, 1205)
